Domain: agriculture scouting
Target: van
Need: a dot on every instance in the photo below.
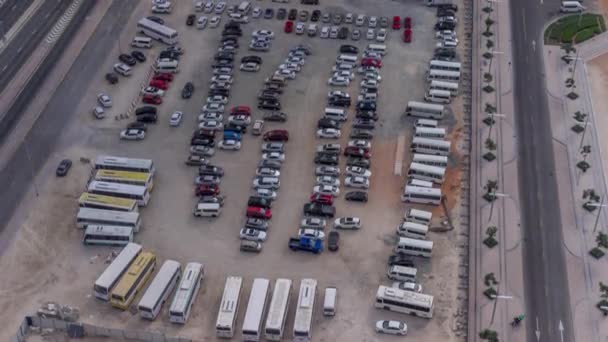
(418, 216)
(350, 59)
(377, 48)
(337, 114)
(142, 42)
(419, 183)
(571, 6)
(199, 6)
(166, 65)
(245, 7)
(207, 210)
(413, 230)
(438, 96)
(402, 273)
(329, 302)
(239, 18)
(122, 69)
(426, 123)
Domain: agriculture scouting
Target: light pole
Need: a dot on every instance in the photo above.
(492, 52)
(580, 145)
(495, 194)
(496, 298)
(599, 211)
(492, 121)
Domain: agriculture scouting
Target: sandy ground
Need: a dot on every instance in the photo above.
(46, 260)
(597, 72)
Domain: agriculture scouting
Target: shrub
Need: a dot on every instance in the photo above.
(602, 240)
(489, 121)
(596, 253)
(583, 165)
(489, 156)
(578, 128)
(490, 293)
(489, 44)
(488, 33)
(572, 95)
(488, 89)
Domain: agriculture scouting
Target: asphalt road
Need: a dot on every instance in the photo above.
(10, 12)
(28, 38)
(545, 273)
(41, 139)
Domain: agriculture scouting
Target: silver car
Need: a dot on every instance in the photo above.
(252, 234)
(313, 223)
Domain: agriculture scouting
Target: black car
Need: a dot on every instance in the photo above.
(293, 14)
(139, 56)
(328, 123)
(268, 13)
(361, 162)
(366, 105)
(222, 92)
(255, 201)
(349, 49)
(138, 125)
(326, 159)
(356, 196)
(188, 90)
(316, 14)
(146, 110)
(235, 128)
(232, 32)
(400, 260)
(202, 141)
(229, 40)
(303, 15)
(190, 19)
(445, 26)
(443, 12)
(63, 168)
(111, 78)
(333, 241)
(364, 124)
(169, 55)
(156, 19)
(343, 33)
(451, 7)
(316, 209)
(271, 164)
(367, 115)
(339, 101)
(269, 105)
(212, 170)
(270, 97)
(275, 116)
(175, 48)
(445, 53)
(274, 87)
(251, 59)
(127, 59)
(151, 118)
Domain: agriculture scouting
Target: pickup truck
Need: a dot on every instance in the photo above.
(306, 244)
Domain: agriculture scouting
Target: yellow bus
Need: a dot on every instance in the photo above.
(126, 177)
(133, 280)
(95, 201)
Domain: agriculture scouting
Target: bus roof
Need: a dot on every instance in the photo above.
(429, 157)
(229, 303)
(278, 304)
(108, 230)
(433, 106)
(138, 190)
(444, 63)
(415, 242)
(446, 84)
(126, 282)
(108, 215)
(187, 284)
(432, 142)
(122, 260)
(109, 201)
(256, 304)
(412, 297)
(122, 161)
(156, 26)
(306, 300)
(418, 190)
(428, 168)
(157, 286)
(105, 174)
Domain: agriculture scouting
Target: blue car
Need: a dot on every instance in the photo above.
(232, 135)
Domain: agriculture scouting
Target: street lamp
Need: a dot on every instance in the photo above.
(495, 194)
(492, 115)
(492, 52)
(496, 298)
(580, 145)
(600, 206)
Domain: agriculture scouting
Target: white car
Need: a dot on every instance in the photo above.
(272, 183)
(250, 66)
(285, 73)
(176, 118)
(241, 120)
(312, 233)
(443, 34)
(252, 234)
(338, 93)
(335, 148)
(105, 100)
(371, 54)
(220, 85)
(204, 151)
(347, 223)
(360, 20)
(229, 144)
(372, 74)
(324, 32)
(263, 33)
(207, 179)
(165, 7)
(266, 193)
(370, 34)
(356, 182)
(348, 19)
(369, 83)
(355, 34)
(381, 36)
(208, 7)
(222, 71)
(290, 67)
(267, 172)
(391, 327)
(313, 223)
(333, 32)
(447, 43)
(325, 170)
(326, 190)
(407, 286)
(201, 23)
(295, 60)
(256, 13)
(274, 156)
(222, 78)
(358, 171)
(132, 134)
(152, 91)
(215, 21)
(217, 99)
(211, 125)
(360, 144)
(210, 117)
(213, 108)
(273, 147)
(300, 28)
(329, 133)
(344, 73)
(220, 7)
(338, 81)
(327, 180)
(372, 22)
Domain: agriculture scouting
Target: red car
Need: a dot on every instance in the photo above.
(407, 23)
(258, 212)
(207, 190)
(396, 22)
(160, 84)
(367, 62)
(163, 76)
(352, 151)
(152, 99)
(407, 35)
(276, 135)
(322, 199)
(240, 110)
(288, 26)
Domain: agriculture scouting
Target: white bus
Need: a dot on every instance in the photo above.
(443, 75)
(425, 110)
(444, 65)
(429, 159)
(186, 293)
(126, 177)
(277, 313)
(438, 96)
(447, 86)
(125, 164)
(428, 132)
(256, 306)
(431, 146)
(416, 194)
(426, 123)
(413, 230)
(134, 192)
(302, 326)
(418, 216)
(229, 307)
(420, 183)
(107, 235)
(88, 200)
(159, 290)
(409, 302)
(89, 216)
(108, 279)
(157, 31)
(415, 247)
(429, 173)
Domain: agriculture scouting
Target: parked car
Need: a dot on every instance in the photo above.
(329, 133)
(132, 134)
(347, 223)
(313, 223)
(400, 260)
(407, 286)
(356, 196)
(187, 90)
(252, 235)
(391, 327)
(333, 241)
(356, 182)
(327, 171)
(104, 99)
(207, 190)
(251, 246)
(276, 135)
(63, 168)
(229, 145)
(176, 118)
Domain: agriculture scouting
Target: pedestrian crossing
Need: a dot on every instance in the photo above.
(63, 22)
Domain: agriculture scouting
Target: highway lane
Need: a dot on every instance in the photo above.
(545, 273)
(10, 12)
(28, 38)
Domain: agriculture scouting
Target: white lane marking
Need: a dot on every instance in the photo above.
(19, 49)
(534, 45)
(14, 6)
(6, 66)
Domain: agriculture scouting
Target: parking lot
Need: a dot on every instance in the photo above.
(171, 231)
